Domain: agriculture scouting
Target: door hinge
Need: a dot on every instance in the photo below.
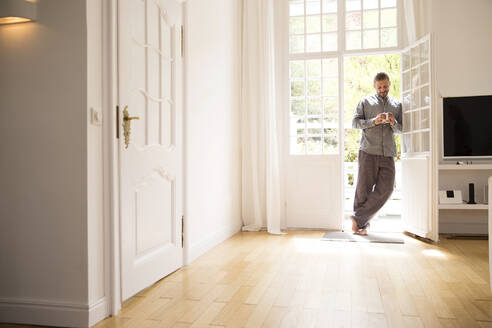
(182, 231)
(182, 41)
(117, 122)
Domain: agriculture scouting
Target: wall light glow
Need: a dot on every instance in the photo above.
(17, 11)
(13, 20)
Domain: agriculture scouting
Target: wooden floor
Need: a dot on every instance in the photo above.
(296, 280)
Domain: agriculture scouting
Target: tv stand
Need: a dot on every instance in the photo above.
(464, 218)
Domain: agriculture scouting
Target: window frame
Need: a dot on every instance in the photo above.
(340, 55)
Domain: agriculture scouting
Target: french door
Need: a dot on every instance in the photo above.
(418, 154)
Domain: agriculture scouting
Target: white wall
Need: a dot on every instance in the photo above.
(212, 134)
(462, 52)
(95, 210)
(44, 168)
(463, 46)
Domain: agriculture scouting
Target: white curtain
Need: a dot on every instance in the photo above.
(261, 200)
(416, 14)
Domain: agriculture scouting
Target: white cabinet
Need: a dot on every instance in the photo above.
(464, 218)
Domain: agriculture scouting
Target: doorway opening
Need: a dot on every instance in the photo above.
(359, 72)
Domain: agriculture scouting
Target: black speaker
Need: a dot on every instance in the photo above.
(471, 193)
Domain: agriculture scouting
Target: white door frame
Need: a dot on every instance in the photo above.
(112, 256)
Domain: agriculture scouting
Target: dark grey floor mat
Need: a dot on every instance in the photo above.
(370, 238)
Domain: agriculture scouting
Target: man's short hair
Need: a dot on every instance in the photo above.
(381, 76)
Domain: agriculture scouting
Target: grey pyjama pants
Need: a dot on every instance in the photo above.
(374, 186)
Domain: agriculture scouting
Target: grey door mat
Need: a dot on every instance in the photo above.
(370, 238)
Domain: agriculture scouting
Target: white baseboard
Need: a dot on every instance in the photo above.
(47, 313)
(98, 311)
(205, 244)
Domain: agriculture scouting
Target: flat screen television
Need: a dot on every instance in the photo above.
(467, 126)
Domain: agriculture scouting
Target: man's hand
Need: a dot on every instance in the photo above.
(391, 118)
(380, 119)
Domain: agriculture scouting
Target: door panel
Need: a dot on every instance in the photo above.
(149, 80)
(314, 193)
(415, 195)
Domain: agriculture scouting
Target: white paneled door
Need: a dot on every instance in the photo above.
(150, 153)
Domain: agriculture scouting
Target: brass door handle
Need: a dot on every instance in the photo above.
(126, 125)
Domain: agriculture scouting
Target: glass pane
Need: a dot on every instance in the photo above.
(330, 132)
(352, 5)
(411, 104)
(314, 88)
(330, 23)
(313, 43)
(388, 3)
(296, 44)
(424, 74)
(297, 107)
(329, 6)
(371, 39)
(353, 21)
(371, 19)
(424, 118)
(297, 88)
(330, 111)
(297, 145)
(415, 77)
(425, 141)
(315, 131)
(314, 145)
(313, 68)
(314, 108)
(407, 81)
(416, 98)
(407, 143)
(296, 25)
(388, 37)
(416, 142)
(313, 7)
(407, 122)
(296, 7)
(353, 40)
(314, 122)
(313, 24)
(330, 87)
(424, 51)
(405, 60)
(330, 42)
(296, 69)
(416, 120)
(370, 4)
(415, 56)
(388, 17)
(330, 67)
(424, 96)
(330, 145)
(406, 100)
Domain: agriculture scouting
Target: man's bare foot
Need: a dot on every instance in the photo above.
(355, 227)
(361, 232)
